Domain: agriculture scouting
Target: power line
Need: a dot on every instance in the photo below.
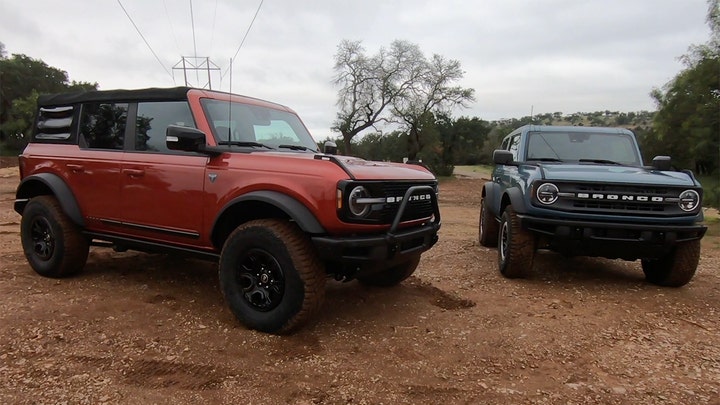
(146, 42)
(212, 35)
(244, 36)
(172, 29)
(192, 22)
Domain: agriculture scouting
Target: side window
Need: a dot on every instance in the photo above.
(102, 125)
(153, 119)
(54, 124)
(513, 147)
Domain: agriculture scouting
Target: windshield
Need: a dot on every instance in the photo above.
(250, 125)
(582, 146)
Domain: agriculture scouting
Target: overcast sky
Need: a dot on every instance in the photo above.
(519, 55)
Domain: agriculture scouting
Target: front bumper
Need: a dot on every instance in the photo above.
(610, 239)
(377, 248)
(365, 253)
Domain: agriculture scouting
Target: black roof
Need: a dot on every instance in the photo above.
(150, 94)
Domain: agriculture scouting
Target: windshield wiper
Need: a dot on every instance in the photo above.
(601, 161)
(296, 147)
(546, 159)
(245, 143)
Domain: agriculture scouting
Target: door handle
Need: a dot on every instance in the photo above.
(75, 168)
(134, 172)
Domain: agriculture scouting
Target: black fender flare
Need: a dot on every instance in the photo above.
(44, 184)
(517, 200)
(493, 195)
(296, 210)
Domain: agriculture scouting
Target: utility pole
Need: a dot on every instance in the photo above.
(197, 64)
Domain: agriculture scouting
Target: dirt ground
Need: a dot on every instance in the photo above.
(142, 329)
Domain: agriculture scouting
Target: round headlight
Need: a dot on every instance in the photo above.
(547, 193)
(356, 208)
(689, 200)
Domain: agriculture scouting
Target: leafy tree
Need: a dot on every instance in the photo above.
(383, 147)
(22, 78)
(433, 93)
(369, 84)
(688, 117)
(22, 74)
(457, 142)
(399, 79)
(22, 112)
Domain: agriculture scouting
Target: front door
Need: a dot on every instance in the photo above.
(162, 190)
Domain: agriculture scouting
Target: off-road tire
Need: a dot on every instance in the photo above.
(488, 227)
(393, 275)
(52, 243)
(676, 268)
(271, 276)
(516, 250)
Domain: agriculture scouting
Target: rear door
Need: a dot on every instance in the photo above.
(93, 171)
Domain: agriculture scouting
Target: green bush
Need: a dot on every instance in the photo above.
(13, 145)
(711, 190)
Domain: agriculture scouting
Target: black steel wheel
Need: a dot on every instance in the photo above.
(488, 228)
(43, 238)
(53, 245)
(676, 268)
(516, 250)
(271, 276)
(262, 279)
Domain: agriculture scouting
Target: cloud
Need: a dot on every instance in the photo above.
(518, 55)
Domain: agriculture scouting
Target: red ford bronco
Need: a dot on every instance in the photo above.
(224, 177)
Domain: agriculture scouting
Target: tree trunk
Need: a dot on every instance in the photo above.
(347, 145)
(413, 144)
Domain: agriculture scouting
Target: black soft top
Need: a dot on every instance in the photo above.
(150, 94)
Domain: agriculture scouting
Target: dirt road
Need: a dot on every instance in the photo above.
(141, 329)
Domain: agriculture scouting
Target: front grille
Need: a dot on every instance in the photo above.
(391, 194)
(614, 199)
(414, 209)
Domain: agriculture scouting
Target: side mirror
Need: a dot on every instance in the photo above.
(184, 138)
(330, 148)
(661, 163)
(502, 157)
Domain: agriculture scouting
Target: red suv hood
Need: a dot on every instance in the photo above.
(363, 169)
(371, 170)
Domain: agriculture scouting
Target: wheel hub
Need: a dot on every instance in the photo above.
(503, 241)
(261, 279)
(42, 238)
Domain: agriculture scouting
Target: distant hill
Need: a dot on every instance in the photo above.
(633, 120)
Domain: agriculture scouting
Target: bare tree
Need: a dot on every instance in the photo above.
(369, 85)
(432, 93)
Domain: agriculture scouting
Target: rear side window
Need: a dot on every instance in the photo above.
(54, 124)
(514, 145)
(153, 119)
(102, 125)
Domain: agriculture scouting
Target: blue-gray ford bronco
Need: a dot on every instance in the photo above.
(584, 191)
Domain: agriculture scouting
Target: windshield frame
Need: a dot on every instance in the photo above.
(582, 147)
(248, 123)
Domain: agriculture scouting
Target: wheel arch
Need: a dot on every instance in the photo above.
(48, 184)
(491, 193)
(262, 204)
(514, 197)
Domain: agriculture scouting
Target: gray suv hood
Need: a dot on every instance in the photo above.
(615, 174)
